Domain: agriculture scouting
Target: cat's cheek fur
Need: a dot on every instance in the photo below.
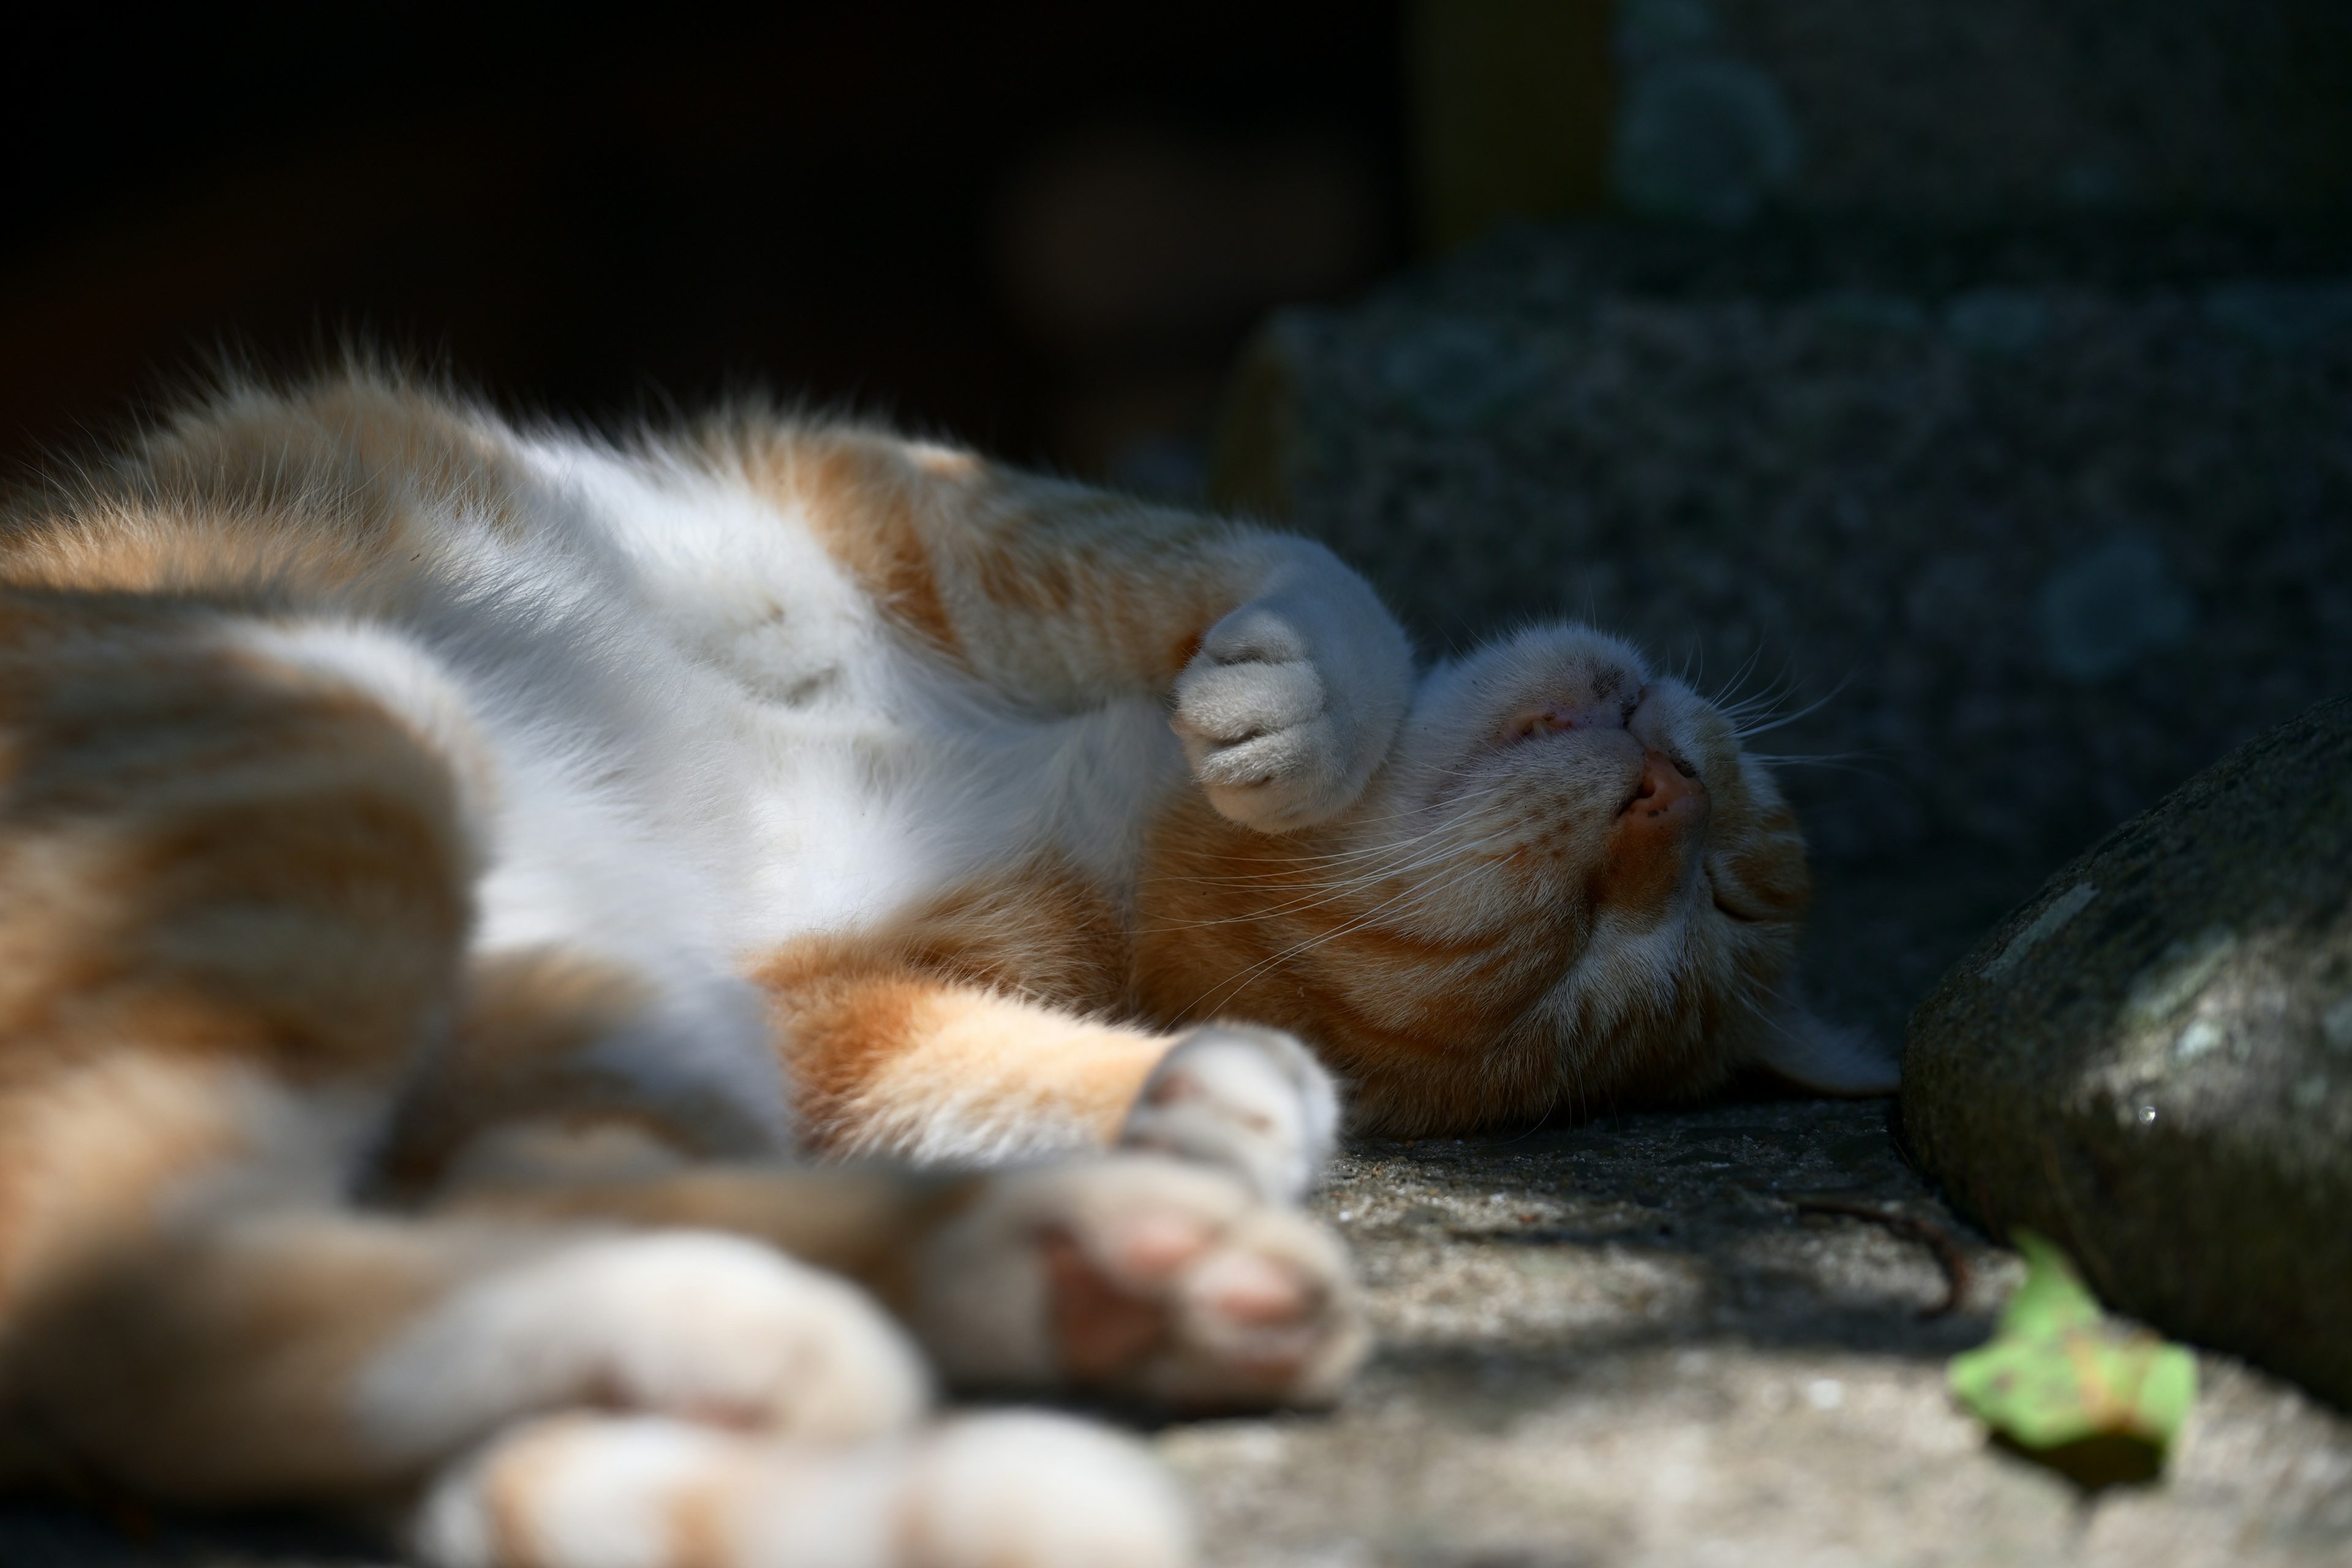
(1294, 697)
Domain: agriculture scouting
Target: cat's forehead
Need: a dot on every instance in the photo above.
(1565, 653)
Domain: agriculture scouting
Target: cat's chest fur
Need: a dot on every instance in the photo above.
(844, 772)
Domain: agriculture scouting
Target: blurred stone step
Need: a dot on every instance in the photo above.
(1996, 107)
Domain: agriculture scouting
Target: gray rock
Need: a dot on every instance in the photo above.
(2152, 1061)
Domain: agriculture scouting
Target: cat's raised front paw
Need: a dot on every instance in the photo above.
(1293, 699)
(1139, 1278)
(1252, 1101)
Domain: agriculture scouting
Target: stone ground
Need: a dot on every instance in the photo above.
(1626, 1344)
(1632, 1344)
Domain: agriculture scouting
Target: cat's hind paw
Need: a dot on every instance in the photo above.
(1139, 1278)
(1015, 1490)
(1251, 1100)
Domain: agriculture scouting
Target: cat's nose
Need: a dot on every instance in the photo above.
(1669, 795)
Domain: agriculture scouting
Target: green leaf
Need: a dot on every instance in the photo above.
(2053, 1299)
(2063, 1383)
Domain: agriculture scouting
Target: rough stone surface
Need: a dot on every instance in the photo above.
(2152, 1061)
(2044, 523)
(1624, 1345)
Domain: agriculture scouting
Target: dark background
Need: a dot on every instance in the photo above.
(1042, 227)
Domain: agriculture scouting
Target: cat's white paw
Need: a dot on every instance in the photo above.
(1252, 1101)
(1292, 698)
(1020, 1489)
(1140, 1278)
(1042, 1491)
(1259, 726)
(681, 1322)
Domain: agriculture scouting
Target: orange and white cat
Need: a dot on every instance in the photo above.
(468, 893)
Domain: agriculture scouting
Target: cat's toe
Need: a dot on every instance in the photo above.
(1141, 1278)
(1257, 1312)
(1042, 1491)
(1266, 741)
(1252, 1101)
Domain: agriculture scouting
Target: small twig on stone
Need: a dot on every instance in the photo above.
(1935, 1237)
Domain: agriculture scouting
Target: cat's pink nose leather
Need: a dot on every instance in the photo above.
(1667, 797)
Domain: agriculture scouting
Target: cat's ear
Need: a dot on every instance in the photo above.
(1830, 1058)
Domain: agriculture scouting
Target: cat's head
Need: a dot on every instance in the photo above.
(1568, 888)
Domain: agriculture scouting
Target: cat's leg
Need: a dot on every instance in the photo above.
(234, 863)
(887, 1060)
(191, 1314)
(768, 1410)
(1131, 1276)
(189, 1317)
(1285, 676)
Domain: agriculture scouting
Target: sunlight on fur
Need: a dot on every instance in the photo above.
(572, 983)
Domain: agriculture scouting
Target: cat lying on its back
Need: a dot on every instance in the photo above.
(545, 840)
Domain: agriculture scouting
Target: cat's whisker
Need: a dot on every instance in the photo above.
(1749, 732)
(1396, 852)
(1845, 761)
(1332, 861)
(1405, 857)
(1411, 859)
(1369, 850)
(1764, 1017)
(1739, 677)
(1740, 708)
(1311, 943)
(1333, 892)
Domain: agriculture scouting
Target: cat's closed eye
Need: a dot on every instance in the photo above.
(1561, 717)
